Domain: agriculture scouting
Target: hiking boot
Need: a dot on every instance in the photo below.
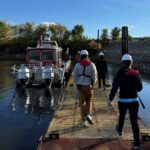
(119, 132)
(135, 148)
(90, 120)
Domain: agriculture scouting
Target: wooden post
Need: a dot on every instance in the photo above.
(124, 40)
(97, 39)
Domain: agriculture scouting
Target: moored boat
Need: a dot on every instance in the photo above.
(44, 66)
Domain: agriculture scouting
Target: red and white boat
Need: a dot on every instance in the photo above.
(44, 66)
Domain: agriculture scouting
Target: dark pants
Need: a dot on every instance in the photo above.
(133, 112)
(101, 77)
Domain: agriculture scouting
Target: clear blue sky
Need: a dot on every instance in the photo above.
(92, 14)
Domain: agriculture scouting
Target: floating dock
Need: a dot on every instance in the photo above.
(67, 132)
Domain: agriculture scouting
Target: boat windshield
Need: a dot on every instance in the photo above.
(48, 44)
(48, 55)
(34, 55)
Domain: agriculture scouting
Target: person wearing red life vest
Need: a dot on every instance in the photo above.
(85, 76)
(129, 82)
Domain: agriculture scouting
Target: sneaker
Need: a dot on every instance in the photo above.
(85, 123)
(135, 148)
(89, 119)
(119, 132)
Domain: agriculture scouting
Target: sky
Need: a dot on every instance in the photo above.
(94, 15)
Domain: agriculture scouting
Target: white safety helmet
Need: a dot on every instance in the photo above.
(101, 54)
(126, 57)
(84, 52)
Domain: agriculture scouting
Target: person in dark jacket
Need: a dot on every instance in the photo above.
(129, 83)
(101, 66)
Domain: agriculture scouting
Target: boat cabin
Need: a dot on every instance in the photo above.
(46, 53)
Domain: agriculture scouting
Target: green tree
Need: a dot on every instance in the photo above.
(5, 32)
(40, 30)
(115, 33)
(130, 38)
(77, 32)
(104, 37)
(58, 31)
(24, 30)
(93, 44)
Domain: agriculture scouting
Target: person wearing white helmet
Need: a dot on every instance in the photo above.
(101, 65)
(126, 57)
(129, 83)
(85, 76)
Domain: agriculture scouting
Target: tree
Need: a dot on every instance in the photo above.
(77, 32)
(58, 31)
(104, 37)
(93, 44)
(40, 30)
(24, 30)
(115, 33)
(5, 32)
(130, 38)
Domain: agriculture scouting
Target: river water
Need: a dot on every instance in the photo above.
(25, 115)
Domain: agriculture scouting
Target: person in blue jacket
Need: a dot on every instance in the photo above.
(129, 82)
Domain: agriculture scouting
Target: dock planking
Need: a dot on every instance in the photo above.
(67, 120)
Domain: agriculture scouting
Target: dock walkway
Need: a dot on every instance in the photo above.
(74, 135)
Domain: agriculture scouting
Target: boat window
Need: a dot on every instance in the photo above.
(47, 55)
(34, 55)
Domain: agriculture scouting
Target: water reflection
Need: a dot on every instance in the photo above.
(5, 76)
(36, 100)
(24, 115)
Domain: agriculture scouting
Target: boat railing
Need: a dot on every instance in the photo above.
(40, 73)
(27, 71)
